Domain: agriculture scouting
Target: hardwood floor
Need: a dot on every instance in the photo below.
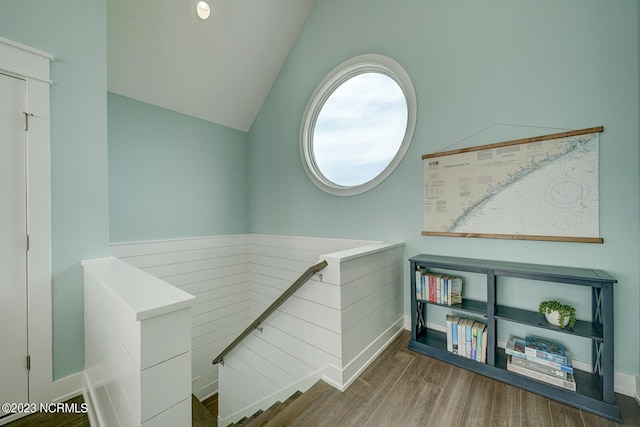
(431, 392)
(403, 388)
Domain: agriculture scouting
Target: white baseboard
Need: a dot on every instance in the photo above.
(208, 391)
(342, 378)
(11, 418)
(624, 384)
(94, 411)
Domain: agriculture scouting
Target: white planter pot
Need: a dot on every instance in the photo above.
(554, 317)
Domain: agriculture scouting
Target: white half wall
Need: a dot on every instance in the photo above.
(137, 347)
(216, 271)
(372, 307)
(332, 328)
(233, 277)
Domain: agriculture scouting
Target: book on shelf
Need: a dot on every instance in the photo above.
(455, 290)
(561, 367)
(545, 349)
(432, 288)
(541, 367)
(445, 285)
(568, 383)
(449, 320)
(476, 332)
(438, 288)
(468, 324)
(454, 334)
(420, 284)
(483, 356)
(462, 337)
(516, 347)
(461, 333)
(476, 340)
(466, 338)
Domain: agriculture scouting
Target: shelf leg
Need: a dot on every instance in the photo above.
(607, 342)
(420, 320)
(596, 316)
(414, 305)
(491, 318)
(597, 358)
(597, 305)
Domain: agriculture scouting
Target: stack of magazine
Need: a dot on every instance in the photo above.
(541, 359)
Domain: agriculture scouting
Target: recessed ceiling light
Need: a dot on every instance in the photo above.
(203, 10)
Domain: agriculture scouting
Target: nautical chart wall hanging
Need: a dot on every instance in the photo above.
(541, 188)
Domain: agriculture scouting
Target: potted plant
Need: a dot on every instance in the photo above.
(557, 314)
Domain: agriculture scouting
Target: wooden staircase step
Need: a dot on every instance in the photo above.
(246, 420)
(272, 412)
(296, 406)
(200, 415)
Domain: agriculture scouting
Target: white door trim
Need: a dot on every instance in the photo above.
(32, 65)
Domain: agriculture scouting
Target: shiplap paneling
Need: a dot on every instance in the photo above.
(113, 406)
(355, 306)
(137, 345)
(372, 305)
(213, 269)
(332, 328)
(310, 358)
(357, 338)
(234, 278)
(372, 298)
(277, 261)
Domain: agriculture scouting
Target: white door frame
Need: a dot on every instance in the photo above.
(32, 65)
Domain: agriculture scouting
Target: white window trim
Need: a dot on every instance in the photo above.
(369, 63)
(32, 66)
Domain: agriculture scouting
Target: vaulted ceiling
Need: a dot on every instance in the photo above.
(219, 70)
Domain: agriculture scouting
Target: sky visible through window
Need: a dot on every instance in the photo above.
(360, 129)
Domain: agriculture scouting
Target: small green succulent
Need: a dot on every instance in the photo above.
(564, 311)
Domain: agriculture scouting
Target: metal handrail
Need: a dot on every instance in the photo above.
(282, 298)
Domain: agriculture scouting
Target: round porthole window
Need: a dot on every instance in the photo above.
(358, 125)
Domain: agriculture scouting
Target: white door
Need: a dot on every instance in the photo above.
(13, 246)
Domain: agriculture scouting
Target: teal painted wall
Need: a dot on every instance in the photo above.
(74, 32)
(172, 175)
(569, 63)
(552, 64)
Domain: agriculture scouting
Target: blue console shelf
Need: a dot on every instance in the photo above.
(594, 390)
